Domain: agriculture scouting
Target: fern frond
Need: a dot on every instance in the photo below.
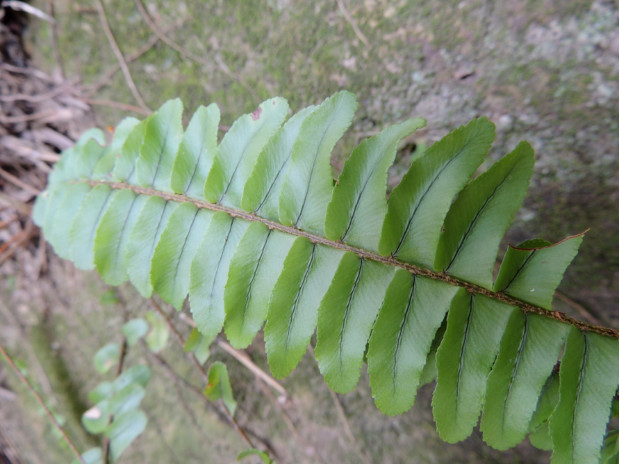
(255, 232)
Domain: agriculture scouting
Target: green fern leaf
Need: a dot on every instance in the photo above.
(346, 318)
(358, 198)
(196, 153)
(480, 216)
(588, 384)
(255, 232)
(418, 205)
(528, 352)
(464, 361)
(307, 186)
(412, 312)
(533, 270)
(239, 149)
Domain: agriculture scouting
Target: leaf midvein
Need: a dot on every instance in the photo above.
(252, 279)
(219, 261)
(514, 277)
(359, 198)
(348, 310)
(462, 355)
(196, 164)
(316, 155)
(160, 157)
(582, 372)
(122, 231)
(178, 263)
(473, 222)
(275, 180)
(297, 296)
(524, 337)
(400, 334)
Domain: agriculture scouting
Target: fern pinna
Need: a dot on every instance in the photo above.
(256, 232)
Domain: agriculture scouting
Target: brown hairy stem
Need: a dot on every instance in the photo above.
(365, 254)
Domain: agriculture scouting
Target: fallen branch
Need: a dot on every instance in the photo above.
(119, 56)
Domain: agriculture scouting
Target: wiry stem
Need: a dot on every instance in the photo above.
(49, 414)
(201, 369)
(119, 56)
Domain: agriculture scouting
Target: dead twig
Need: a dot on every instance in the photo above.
(18, 182)
(187, 54)
(49, 414)
(162, 35)
(119, 369)
(21, 207)
(41, 261)
(107, 77)
(581, 309)
(113, 104)
(54, 39)
(244, 359)
(8, 248)
(264, 384)
(29, 71)
(181, 381)
(347, 428)
(201, 369)
(39, 97)
(352, 22)
(285, 416)
(119, 56)
(26, 117)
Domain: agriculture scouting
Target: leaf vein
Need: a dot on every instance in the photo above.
(582, 372)
(427, 190)
(258, 263)
(525, 261)
(477, 215)
(275, 180)
(219, 261)
(524, 337)
(161, 151)
(316, 155)
(178, 263)
(196, 164)
(117, 249)
(462, 356)
(348, 310)
(359, 198)
(297, 296)
(400, 334)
